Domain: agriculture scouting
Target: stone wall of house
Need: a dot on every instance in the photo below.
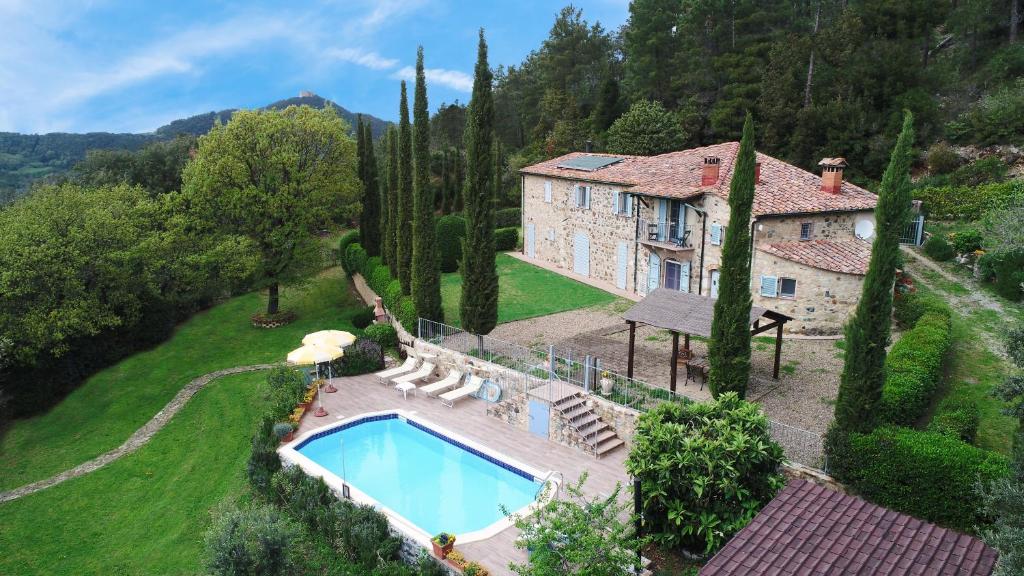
(823, 302)
(825, 226)
(557, 223)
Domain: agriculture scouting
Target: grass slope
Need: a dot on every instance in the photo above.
(107, 408)
(526, 291)
(145, 513)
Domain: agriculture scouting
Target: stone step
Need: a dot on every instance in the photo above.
(587, 424)
(577, 411)
(592, 429)
(608, 446)
(571, 405)
(575, 398)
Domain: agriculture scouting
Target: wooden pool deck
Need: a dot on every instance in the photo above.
(359, 394)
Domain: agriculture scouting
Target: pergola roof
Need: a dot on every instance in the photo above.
(685, 312)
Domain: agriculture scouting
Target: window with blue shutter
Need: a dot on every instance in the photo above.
(769, 286)
(615, 202)
(716, 234)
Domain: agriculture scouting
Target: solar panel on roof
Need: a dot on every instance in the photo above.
(589, 163)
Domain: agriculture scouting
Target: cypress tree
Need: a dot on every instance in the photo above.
(729, 348)
(867, 333)
(361, 171)
(369, 234)
(479, 303)
(391, 204)
(403, 228)
(426, 266)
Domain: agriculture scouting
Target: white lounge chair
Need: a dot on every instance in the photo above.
(426, 369)
(408, 366)
(474, 384)
(450, 381)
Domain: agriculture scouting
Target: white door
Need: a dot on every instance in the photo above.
(714, 283)
(653, 272)
(581, 254)
(684, 278)
(531, 240)
(620, 271)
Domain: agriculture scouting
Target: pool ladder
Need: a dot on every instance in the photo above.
(546, 479)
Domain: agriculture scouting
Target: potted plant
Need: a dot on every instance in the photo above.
(607, 384)
(284, 431)
(456, 559)
(443, 544)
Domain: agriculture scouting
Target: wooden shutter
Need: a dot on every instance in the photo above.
(769, 286)
(586, 193)
(716, 234)
(654, 272)
(615, 202)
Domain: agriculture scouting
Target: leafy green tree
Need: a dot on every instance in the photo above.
(479, 304)
(157, 167)
(274, 177)
(403, 230)
(651, 43)
(370, 221)
(426, 270)
(576, 535)
(646, 129)
(867, 333)
(705, 469)
(391, 192)
(609, 106)
(729, 348)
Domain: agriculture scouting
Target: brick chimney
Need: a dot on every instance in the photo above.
(709, 176)
(832, 174)
(757, 172)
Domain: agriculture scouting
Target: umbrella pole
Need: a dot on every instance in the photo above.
(320, 412)
(330, 389)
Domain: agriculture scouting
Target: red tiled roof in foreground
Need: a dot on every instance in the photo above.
(784, 188)
(809, 529)
(846, 256)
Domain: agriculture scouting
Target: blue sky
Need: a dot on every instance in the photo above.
(132, 66)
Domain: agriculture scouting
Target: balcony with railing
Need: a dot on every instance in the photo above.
(666, 235)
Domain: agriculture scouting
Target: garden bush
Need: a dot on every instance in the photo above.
(306, 499)
(379, 280)
(505, 239)
(250, 541)
(938, 249)
(363, 317)
(942, 159)
(355, 257)
(956, 420)
(966, 241)
(407, 314)
(347, 239)
(924, 474)
(363, 357)
(967, 202)
(914, 365)
(362, 534)
(383, 334)
(981, 171)
(1006, 270)
(392, 295)
(998, 118)
(705, 468)
(286, 389)
(370, 266)
(451, 231)
(508, 218)
(263, 460)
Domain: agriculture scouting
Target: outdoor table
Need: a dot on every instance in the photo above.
(405, 387)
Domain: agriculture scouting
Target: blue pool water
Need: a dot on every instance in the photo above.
(431, 482)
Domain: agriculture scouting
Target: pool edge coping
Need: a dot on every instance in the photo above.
(292, 456)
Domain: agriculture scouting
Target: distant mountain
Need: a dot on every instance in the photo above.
(26, 158)
(202, 123)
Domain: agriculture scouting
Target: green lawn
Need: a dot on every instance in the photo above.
(525, 291)
(145, 513)
(106, 409)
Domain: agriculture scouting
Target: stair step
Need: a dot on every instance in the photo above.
(576, 411)
(607, 447)
(593, 429)
(603, 437)
(584, 420)
(569, 401)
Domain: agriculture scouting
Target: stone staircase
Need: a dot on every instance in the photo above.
(597, 435)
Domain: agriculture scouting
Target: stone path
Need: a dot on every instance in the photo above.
(136, 440)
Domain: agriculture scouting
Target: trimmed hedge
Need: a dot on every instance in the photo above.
(406, 314)
(451, 231)
(508, 218)
(363, 357)
(355, 257)
(383, 334)
(924, 474)
(347, 240)
(914, 365)
(505, 239)
(363, 317)
(392, 294)
(958, 420)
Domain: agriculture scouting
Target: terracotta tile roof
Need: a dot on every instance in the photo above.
(809, 529)
(784, 188)
(847, 256)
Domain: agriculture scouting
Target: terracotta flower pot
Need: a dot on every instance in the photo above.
(442, 551)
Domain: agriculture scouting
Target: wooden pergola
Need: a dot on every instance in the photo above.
(690, 314)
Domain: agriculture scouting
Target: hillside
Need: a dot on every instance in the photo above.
(26, 158)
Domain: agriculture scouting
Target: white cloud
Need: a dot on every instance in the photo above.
(361, 57)
(454, 79)
(384, 10)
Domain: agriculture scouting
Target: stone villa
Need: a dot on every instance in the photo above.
(643, 222)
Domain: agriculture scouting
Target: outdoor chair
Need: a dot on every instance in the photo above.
(408, 366)
(450, 381)
(426, 369)
(696, 374)
(470, 388)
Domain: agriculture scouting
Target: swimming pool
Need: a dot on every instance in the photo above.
(421, 476)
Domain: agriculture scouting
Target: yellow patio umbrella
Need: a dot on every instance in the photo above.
(337, 338)
(316, 354)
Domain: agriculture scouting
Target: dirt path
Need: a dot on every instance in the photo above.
(136, 440)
